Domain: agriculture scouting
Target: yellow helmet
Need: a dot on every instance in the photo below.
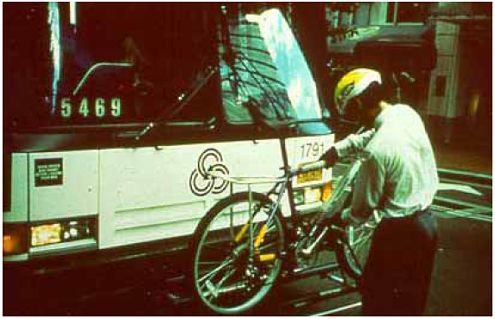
(353, 84)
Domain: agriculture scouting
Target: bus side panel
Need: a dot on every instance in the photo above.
(19, 190)
(156, 193)
(63, 184)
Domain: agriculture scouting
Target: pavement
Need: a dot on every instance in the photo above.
(462, 155)
(461, 282)
(462, 275)
(466, 146)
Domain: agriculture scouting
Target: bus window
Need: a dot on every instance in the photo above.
(113, 63)
(26, 65)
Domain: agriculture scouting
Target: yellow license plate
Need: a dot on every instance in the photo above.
(311, 176)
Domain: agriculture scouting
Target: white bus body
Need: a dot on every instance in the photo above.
(92, 195)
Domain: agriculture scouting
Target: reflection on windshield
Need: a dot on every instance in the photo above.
(291, 64)
(55, 49)
(269, 68)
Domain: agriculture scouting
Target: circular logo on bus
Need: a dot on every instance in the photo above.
(199, 183)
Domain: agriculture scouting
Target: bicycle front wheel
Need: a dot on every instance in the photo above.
(237, 253)
(352, 252)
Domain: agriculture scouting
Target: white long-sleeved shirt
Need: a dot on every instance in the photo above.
(399, 175)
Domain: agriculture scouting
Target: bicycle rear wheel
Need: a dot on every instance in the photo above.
(352, 252)
(227, 278)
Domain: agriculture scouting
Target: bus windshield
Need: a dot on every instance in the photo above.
(107, 63)
(269, 69)
(85, 64)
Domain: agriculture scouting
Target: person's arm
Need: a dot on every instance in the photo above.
(368, 189)
(352, 144)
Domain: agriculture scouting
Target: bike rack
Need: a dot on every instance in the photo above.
(306, 272)
(331, 271)
(345, 286)
(336, 275)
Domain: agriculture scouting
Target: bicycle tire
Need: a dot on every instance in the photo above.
(234, 304)
(353, 248)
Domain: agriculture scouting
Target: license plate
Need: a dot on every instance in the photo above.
(311, 176)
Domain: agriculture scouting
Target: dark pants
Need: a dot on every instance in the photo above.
(396, 277)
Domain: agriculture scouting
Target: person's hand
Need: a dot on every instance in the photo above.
(374, 219)
(330, 157)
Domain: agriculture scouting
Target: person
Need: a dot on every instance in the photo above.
(397, 180)
(134, 56)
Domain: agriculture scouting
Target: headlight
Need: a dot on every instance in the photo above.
(309, 195)
(46, 234)
(312, 195)
(63, 231)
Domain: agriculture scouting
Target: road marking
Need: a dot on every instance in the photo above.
(464, 213)
(464, 173)
(472, 184)
(460, 188)
(460, 202)
(335, 310)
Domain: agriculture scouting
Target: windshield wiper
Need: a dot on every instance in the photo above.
(182, 101)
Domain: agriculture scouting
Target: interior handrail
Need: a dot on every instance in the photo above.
(96, 66)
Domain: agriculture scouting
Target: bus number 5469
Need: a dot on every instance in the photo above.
(85, 108)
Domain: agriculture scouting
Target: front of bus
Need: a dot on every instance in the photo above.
(92, 87)
(80, 78)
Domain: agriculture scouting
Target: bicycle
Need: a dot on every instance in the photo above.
(241, 245)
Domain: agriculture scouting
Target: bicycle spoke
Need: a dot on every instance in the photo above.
(266, 246)
(362, 238)
(216, 270)
(357, 248)
(210, 262)
(208, 284)
(223, 285)
(214, 247)
(229, 289)
(218, 286)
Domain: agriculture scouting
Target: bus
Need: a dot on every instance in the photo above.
(113, 112)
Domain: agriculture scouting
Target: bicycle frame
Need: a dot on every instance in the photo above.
(279, 188)
(279, 182)
(245, 255)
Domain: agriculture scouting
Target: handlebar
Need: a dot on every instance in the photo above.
(307, 167)
(211, 173)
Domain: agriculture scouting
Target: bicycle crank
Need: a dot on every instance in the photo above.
(309, 250)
